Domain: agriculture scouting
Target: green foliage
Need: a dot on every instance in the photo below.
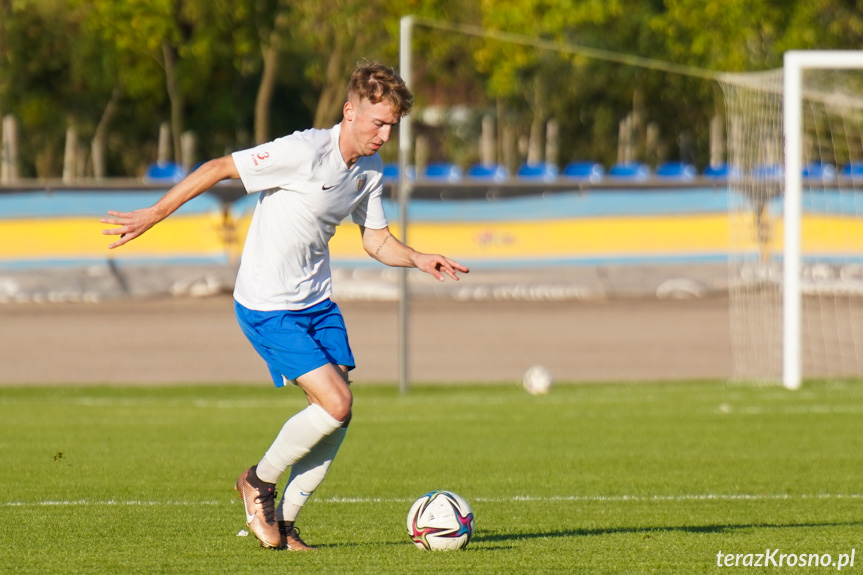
(62, 60)
(604, 478)
(825, 24)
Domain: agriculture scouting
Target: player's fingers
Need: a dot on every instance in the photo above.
(124, 238)
(128, 227)
(446, 266)
(458, 266)
(117, 217)
(125, 230)
(433, 268)
(115, 231)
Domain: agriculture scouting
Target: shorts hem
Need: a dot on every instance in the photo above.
(280, 382)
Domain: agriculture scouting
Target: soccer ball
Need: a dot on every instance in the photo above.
(537, 380)
(440, 521)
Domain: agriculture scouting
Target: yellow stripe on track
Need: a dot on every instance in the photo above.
(207, 236)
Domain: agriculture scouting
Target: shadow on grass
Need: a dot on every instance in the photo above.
(699, 529)
(503, 538)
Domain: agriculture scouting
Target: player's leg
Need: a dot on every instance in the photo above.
(305, 347)
(306, 475)
(329, 405)
(299, 435)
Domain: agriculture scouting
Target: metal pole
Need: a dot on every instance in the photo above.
(405, 28)
(795, 62)
(791, 298)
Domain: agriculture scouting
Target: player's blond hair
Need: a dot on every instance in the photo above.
(376, 83)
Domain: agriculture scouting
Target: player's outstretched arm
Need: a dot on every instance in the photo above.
(384, 247)
(133, 224)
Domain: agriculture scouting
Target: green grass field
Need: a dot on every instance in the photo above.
(609, 478)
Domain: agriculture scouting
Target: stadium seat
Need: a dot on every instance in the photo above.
(819, 171)
(768, 172)
(853, 169)
(632, 171)
(718, 172)
(676, 171)
(443, 171)
(541, 172)
(165, 172)
(391, 172)
(489, 172)
(584, 170)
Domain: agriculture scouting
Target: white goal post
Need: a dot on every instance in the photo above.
(795, 63)
(779, 122)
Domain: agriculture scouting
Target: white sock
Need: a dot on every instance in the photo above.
(307, 474)
(297, 437)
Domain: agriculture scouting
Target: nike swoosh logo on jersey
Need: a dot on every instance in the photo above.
(328, 186)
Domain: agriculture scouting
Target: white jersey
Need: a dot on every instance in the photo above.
(306, 191)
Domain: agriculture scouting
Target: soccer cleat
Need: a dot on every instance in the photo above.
(291, 538)
(260, 509)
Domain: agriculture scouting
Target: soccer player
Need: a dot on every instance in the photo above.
(309, 182)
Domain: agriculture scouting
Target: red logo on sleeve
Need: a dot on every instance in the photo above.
(259, 158)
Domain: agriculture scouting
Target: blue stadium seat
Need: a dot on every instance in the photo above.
(166, 172)
(718, 172)
(853, 169)
(819, 171)
(443, 171)
(490, 172)
(541, 172)
(633, 171)
(584, 170)
(391, 172)
(768, 172)
(676, 171)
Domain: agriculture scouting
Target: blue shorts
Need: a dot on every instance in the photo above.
(294, 343)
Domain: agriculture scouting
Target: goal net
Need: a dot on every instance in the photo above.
(821, 308)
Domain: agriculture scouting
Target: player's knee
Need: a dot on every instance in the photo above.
(340, 412)
(339, 406)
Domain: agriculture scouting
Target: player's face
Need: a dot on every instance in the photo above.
(368, 127)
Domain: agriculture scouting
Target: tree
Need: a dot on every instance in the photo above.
(239, 72)
(587, 97)
(184, 50)
(272, 33)
(727, 35)
(40, 81)
(338, 33)
(824, 25)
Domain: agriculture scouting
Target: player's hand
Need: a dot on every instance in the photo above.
(132, 225)
(435, 264)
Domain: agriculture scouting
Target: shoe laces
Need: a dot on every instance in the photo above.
(294, 533)
(290, 531)
(267, 500)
